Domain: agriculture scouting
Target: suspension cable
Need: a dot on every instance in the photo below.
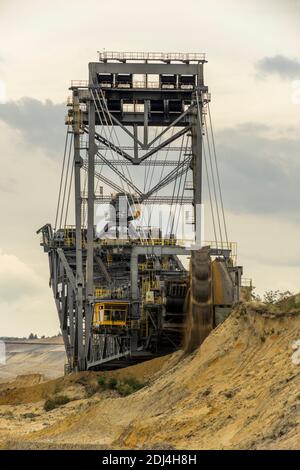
(104, 112)
(175, 184)
(61, 179)
(207, 176)
(181, 190)
(218, 175)
(214, 183)
(69, 193)
(66, 180)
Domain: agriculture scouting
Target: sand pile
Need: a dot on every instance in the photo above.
(239, 390)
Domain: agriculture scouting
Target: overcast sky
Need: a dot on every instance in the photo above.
(253, 73)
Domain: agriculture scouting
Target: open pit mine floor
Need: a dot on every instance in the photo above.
(239, 390)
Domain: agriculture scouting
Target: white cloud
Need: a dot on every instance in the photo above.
(24, 299)
(17, 280)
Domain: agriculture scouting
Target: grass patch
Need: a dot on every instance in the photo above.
(112, 383)
(29, 415)
(102, 381)
(124, 387)
(129, 385)
(56, 402)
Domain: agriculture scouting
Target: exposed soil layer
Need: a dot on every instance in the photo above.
(239, 390)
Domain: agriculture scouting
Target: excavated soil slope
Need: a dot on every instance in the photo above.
(46, 357)
(239, 390)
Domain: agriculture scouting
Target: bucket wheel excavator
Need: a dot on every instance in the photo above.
(132, 277)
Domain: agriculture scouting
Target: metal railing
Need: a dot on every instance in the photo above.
(156, 56)
(145, 84)
(80, 83)
(222, 245)
(246, 282)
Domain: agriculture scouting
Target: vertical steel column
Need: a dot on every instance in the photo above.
(146, 119)
(78, 355)
(90, 227)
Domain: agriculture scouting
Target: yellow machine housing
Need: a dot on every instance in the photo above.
(111, 314)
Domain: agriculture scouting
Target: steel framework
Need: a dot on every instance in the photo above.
(137, 284)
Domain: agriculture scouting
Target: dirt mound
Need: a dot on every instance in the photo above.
(27, 380)
(240, 390)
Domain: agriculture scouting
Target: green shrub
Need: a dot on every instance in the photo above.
(134, 383)
(55, 402)
(129, 385)
(112, 383)
(29, 415)
(124, 389)
(102, 381)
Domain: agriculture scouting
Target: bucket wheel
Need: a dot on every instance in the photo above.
(199, 304)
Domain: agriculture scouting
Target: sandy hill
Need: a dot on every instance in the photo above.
(239, 390)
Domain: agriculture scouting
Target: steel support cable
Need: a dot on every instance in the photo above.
(180, 191)
(207, 175)
(166, 155)
(147, 168)
(67, 186)
(182, 195)
(118, 142)
(105, 153)
(208, 179)
(148, 171)
(69, 193)
(123, 177)
(106, 111)
(84, 206)
(61, 179)
(148, 186)
(142, 239)
(146, 174)
(109, 113)
(179, 195)
(97, 183)
(66, 180)
(113, 129)
(101, 122)
(128, 181)
(153, 158)
(117, 139)
(168, 178)
(179, 179)
(181, 202)
(214, 183)
(161, 175)
(218, 175)
(104, 130)
(101, 178)
(163, 166)
(121, 173)
(209, 194)
(174, 187)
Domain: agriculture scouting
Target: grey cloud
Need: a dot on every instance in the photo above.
(279, 65)
(42, 124)
(260, 175)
